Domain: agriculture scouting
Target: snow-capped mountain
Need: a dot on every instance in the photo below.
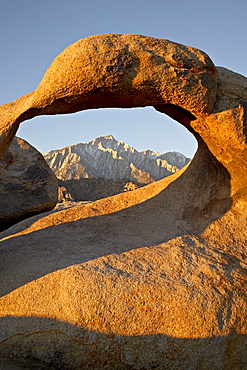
(108, 158)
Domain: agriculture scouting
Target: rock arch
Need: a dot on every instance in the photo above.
(119, 71)
(175, 251)
(115, 70)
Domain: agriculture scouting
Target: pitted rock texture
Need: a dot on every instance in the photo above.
(27, 184)
(231, 90)
(153, 71)
(152, 278)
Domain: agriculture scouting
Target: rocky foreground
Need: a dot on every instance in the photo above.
(153, 278)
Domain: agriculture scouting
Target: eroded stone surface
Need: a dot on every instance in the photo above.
(153, 278)
(231, 90)
(27, 184)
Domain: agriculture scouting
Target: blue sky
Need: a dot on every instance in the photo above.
(33, 33)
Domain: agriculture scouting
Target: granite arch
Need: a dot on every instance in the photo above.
(194, 247)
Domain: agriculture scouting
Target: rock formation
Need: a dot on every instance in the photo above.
(27, 184)
(111, 159)
(118, 71)
(152, 278)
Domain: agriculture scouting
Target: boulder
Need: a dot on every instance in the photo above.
(27, 184)
(150, 278)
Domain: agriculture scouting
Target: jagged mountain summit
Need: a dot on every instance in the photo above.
(108, 158)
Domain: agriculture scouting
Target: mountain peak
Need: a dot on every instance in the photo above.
(108, 137)
(108, 158)
(151, 153)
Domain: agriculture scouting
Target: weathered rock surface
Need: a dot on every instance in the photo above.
(132, 287)
(107, 158)
(232, 90)
(153, 278)
(117, 71)
(27, 184)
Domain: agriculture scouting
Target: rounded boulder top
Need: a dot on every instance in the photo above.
(126, 71)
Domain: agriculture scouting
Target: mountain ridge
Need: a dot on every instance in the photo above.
(105, 157)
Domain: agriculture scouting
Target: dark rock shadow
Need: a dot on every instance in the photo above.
(92, 189)
(43, 343)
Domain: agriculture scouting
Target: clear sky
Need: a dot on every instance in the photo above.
(34, 32)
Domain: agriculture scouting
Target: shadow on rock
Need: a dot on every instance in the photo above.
(46, 344)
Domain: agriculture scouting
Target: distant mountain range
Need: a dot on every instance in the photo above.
(107, 158)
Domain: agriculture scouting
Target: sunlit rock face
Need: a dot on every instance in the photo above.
(27, 184)
(117, 71)
(153, 278)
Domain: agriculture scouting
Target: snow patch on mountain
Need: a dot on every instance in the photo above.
(108, 158)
